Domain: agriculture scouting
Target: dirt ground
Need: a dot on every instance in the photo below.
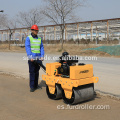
(56, 49)
(17, 103)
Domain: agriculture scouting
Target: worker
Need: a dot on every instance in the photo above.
(35, 50)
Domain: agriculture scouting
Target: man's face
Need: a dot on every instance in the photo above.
(35, 32)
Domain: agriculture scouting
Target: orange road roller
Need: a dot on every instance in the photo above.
(69, 80)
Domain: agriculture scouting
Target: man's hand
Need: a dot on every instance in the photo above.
(41, 58)
(31, 60)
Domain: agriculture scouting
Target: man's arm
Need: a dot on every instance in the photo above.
(28, 48)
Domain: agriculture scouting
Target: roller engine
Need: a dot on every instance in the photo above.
(66, 61)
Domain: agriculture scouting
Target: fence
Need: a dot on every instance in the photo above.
(98, 31)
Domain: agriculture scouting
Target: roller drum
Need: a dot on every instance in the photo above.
(56, 95)
(80, 94)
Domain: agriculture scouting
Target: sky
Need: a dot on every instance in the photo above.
(94, 9)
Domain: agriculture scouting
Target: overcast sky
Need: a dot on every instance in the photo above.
(95, 10)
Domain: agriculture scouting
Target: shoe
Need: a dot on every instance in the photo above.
(32, 90)
(38, 87)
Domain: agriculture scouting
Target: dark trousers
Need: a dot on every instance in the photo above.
(33, 74)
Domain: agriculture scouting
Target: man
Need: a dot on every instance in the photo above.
(35, 50)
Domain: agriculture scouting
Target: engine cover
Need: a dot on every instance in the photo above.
(80, 72)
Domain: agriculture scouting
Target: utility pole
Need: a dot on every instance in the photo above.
(2, 12)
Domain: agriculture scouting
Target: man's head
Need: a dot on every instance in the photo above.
(34, 29)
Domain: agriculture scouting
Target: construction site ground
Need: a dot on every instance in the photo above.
(16, 101)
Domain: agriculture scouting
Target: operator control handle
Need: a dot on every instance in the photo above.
(39, 62)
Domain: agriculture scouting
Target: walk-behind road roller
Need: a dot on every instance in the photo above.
(69, 80)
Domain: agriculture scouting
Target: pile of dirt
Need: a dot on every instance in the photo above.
(5, 48)
(76, 50)
(82, 50)
(72, 49)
